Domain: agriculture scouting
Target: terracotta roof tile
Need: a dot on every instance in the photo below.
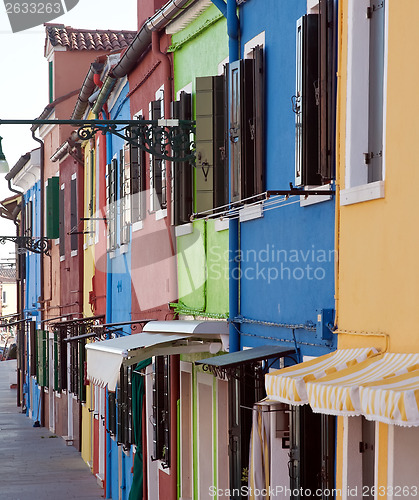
(76, 39)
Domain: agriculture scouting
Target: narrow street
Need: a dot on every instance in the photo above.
(35, 464)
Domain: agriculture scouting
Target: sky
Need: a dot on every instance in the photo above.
(24, 74)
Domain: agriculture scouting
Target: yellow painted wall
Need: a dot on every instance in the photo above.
(378, 271)
(88, 272)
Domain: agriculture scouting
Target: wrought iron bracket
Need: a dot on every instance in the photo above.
(28, 243)
(171, 140)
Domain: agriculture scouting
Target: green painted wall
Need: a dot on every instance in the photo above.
(202, 259)
(199, 48)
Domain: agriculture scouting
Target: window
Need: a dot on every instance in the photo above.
(365, 124)
(314, 101)
(182, 170)
(161, 414)
(246, 130)
(73, 216)
(138, 181)
(60, 360)
(211, 174)
(61, 210)
(111, 170)
(124, 408)
(125, 193)
(28, 218)
(4, 298)
(157, 165)
(52, 208)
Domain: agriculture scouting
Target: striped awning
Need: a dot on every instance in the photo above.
(339, 393)
(289, 384)
(394, 400)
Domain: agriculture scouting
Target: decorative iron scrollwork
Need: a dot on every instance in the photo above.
(171, 140)
(27, 243)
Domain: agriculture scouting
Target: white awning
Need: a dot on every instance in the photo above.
(158, 338)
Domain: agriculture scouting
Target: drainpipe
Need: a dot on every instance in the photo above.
(19, 290)
(229, 10)
(41, 401)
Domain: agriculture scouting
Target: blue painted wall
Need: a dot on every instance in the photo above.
(118, 293)
(32, 293)
(287, 267)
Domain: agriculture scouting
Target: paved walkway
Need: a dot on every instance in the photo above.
(33, 464)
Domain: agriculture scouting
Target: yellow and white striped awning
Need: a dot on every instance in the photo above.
(394, 400)
(289, 384)
(338, 393)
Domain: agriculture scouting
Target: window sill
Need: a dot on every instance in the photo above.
(137, 226)
(314, 200)
(62, 258)
(123, 249)
(112, 254)
(359, 194)
(74, 253)
(184, 229)
(161, 214)
(163, 469)
(251, 213)
(221, 224)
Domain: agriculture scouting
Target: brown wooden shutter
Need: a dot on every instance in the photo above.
(220, 141)
(307, 95)
(73, 215)
(235, 131)
(327, 71)
(159, 195)
(182, 171)
(258, 135)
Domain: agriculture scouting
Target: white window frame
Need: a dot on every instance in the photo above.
(357, 189)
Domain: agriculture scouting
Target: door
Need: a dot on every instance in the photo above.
(367, 449)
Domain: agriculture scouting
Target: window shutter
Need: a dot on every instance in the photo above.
(125, 190)
(111, 203)
(258, 131)
(74, 222)
(81, 368)
(235, 132)
(56, 363)
(307, 98)
(376, 90)
(158, 405)
(204, 173)
(33, 348)
(158, 174)
(220, 141)
(61, 223)
(112, 413)
(120, 406)
(327, 78)
(138, 182)
(28, 219)
(42, 362)
(183, 173)
(52, 208)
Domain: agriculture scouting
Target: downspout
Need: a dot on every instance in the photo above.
(229, 10)
(174, 359)
(41, 402)
(20, 376)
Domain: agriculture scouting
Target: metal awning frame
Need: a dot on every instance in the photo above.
(234, 370)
